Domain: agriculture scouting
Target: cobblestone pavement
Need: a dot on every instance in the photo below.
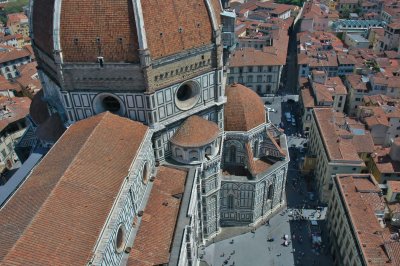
(254, 248)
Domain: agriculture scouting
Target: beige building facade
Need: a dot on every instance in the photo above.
(355, 218)
(334, 149)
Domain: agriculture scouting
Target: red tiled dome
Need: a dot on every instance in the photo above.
(195, 132)
(244, 109)
(88, 28)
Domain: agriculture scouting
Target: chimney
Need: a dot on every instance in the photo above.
(395, 150)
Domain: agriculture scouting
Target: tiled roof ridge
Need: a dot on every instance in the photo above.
(55, 186)
(276, 144)
(250, 159)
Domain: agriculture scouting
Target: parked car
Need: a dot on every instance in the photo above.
(288, 117)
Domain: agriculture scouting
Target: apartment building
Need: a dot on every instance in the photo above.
(307, 103)
(336, 145)
(11, 58)
(385, 162)
(12, 127)
(322, 51)
(18, 23)
(258, 70)
(391, 37)
(346, 64)
(275, 10)
(29, 79)
(316, 17)
(387, 85)
(260, 56)
(357, 88)
(381, 116)
(15, 40)
(328, 91)
(321, 91)
(344, 6)
(390, 12)
(355, 220)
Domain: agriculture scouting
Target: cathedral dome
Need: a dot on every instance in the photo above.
(195, 132)
(244, 109)
(116, 30)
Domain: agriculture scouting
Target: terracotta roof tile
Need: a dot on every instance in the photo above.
(394, 185)
(337, 143)
(325, 92)
(307, 98)
(29, 79)
(361, 198)
(17, 109)
(195, 132)
(383, 162)
(170, 31)
(363, 143)
(356, 82)
(17, 18)
(153, 241)
(42, 21)
(244, 109)
(15, 53)
(376, 120)
(12, 37)
(56, 216)
(252, 57)
(89, 29)
(6, 85)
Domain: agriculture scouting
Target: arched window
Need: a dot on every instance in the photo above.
(178, 153)
(194, 155)
(256, 146)
(120, 238)
(231, 201)
(145, 173)
(270, 192)
(232, 154)
(208, 150)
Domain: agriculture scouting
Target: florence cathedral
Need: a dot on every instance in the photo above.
(151, 154)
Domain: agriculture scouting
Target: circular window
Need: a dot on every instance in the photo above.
(111, 104)
(120, 240)
(145, 173)
(187, 95)
(108, 102)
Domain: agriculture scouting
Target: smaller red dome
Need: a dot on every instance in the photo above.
(244, 109)
(195, 132)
